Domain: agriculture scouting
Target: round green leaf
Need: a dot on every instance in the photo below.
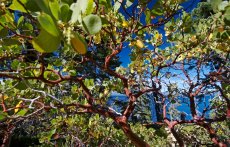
(92, 24)
(48, 24)
(46, 42)
(65, 13)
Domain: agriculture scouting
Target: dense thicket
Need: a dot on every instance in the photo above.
(60, 72)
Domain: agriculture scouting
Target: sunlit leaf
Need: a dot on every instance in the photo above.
(89, 8)
(22, 112)
(125, 24)
(17, 6)
(51, 133)
(20, 20)
(17, 106)
(215, 4)
(81, 7)
(128, 3)
(148, 16)
(223, 5)
(54, 8)
(157, 12)
(97, 38)
(76, 15)
(25, 5)
(139, 44)
(117, 5)
(78, 44)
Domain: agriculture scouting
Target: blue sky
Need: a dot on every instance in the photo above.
(124, 55)
(124, 58)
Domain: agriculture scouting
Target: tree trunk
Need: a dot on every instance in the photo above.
(136, 140)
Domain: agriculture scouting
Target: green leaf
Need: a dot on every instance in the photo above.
(72, 72)
(89, 8)
(215, 4)
(58, 62)
(15, 64)
(128, 3)
(222, 5)
(81, 7)
(227, 16)
(51, 133)
(21, 85)
(104, 22)
(86, 6)
(117, 5)
(78, 44)
(20, 21)
(9, 18)
(3, 33)
(69, 2)
(92, 24)
(54, 8)
(106, 3)
(50, 76)
(147, 16)
(76, 15)
(31, 5)
(65, 13)
(17, 6)
(45, 42)
(3, 115)
(11, 42)
(22, 112)
(24, 5)
(89, 82)
(28, 74)
(48, 24)
(157, 12)
(44, 6)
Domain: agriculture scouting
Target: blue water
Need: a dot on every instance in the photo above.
(117, 100)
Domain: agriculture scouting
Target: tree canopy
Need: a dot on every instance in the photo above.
(62, 81)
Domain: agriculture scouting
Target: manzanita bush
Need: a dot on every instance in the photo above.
(60, 70)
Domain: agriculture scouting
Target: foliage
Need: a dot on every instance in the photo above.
(59, 67)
